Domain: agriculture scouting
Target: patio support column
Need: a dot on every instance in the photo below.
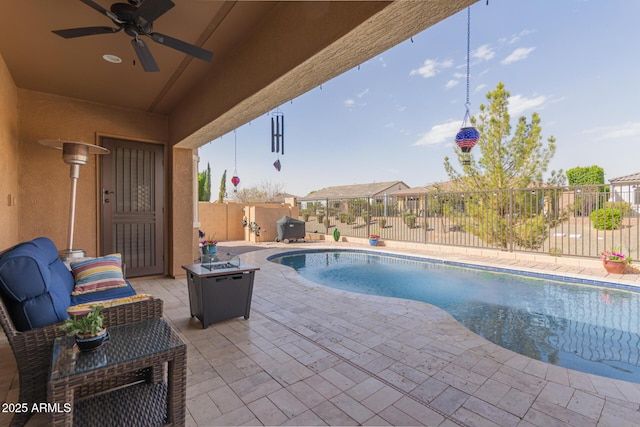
(183, 235)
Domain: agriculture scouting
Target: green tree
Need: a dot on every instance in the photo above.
(204, 185)
(590, 198)
(506, 161)
(223, 187)
(588, 175)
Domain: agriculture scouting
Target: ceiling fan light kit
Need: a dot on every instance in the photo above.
(136, 19)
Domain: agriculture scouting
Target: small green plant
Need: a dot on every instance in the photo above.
(85, 326)
(606, 219)
(382, 222)
(410, 220)
(326, 222)
(555, 251)
(320, 217)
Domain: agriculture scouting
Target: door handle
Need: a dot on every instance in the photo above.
(106, 193)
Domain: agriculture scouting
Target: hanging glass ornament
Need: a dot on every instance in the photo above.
(235, 180)
(467, 136)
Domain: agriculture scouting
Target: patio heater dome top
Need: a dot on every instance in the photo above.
(74, 152)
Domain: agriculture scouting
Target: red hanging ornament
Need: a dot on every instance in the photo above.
(235, 180)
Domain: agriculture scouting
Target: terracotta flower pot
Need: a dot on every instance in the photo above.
(614, 267)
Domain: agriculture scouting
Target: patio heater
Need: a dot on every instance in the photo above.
(75, 154)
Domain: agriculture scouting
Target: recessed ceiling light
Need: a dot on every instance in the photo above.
(111, 58)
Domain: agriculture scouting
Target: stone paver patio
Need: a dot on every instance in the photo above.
(311, 355)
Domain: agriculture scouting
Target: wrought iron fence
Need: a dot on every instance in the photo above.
(562, 221)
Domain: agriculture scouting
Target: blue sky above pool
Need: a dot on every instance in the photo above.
(395, 116)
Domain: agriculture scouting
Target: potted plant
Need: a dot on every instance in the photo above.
(615, 262)
(208, 245)
(87, 329)
(373, 239)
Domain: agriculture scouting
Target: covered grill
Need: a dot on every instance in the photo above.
(289, 229)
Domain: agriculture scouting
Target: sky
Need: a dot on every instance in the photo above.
(395, 117)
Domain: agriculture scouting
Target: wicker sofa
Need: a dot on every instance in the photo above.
(32, 326)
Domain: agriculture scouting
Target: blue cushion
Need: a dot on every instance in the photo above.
(35, 284)
(126, 291)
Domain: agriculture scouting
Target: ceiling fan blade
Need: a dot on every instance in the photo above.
(184, 47)
(102, 10)
(144, 55)
(85, 31)
(150, 10)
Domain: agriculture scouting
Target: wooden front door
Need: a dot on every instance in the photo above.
(133, 205)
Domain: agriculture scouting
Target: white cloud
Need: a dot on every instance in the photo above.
(483, 53)
(451, 83)
(363, 93)
(382, 63)
(431, 67)
(518, 104)
(349, 103)
(624, 130)
(440, 133)
(516, 37)
(480, 87)
(518, 55)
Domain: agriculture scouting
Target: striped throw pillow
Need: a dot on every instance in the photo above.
(98, 274)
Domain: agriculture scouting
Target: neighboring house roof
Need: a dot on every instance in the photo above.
(431, 188)
(627, 179)
(355, 190)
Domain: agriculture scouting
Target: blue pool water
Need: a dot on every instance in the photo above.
(590, 328)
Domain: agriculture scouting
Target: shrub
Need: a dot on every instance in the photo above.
(606, 219)
(531, 233)
(345, 218)
(382, 222)
(623, 207)
(410, 220)
(320, 217)
(326, 222)
(366, 217)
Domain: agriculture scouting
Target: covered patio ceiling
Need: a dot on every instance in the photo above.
(265, 53)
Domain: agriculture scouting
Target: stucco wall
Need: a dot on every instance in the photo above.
(266, 217)
(44, 178)
(224, 220)
(9, 159)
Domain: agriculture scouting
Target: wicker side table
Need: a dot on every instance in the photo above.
(133, 348)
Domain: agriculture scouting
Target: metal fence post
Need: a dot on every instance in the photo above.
(511, 220)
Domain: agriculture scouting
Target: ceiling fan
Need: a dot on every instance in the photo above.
(136, 19)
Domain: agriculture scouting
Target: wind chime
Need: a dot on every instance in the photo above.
(468, 135)
(277, 137)
(235, 180)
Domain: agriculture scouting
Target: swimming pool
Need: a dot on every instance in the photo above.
(581, 325)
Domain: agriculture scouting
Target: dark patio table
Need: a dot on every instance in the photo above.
(123, 382)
